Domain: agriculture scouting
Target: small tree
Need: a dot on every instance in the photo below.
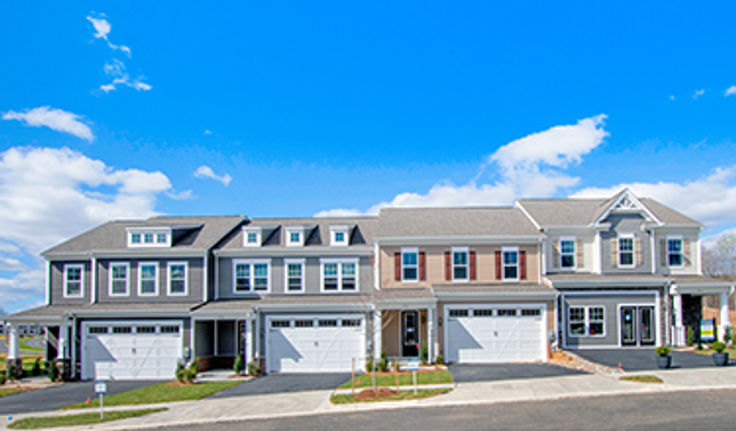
(690, 336)
(238, 366)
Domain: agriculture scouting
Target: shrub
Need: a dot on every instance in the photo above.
(52, 371)
(238, 365)
(253, 368)
(194, 365)
(382, 365)
(369, 364)
(663, 351)
(424, 354)
(12, 370)
(689, 336)
(36, 370)
(3, 377)
(718, 346)
(728, 336)
(439, 359)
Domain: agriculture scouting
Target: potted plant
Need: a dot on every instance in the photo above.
(664, 360)
(719, 358)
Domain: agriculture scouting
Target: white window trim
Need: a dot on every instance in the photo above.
(301, 262)
(339, 263)
(142, 231)
(252, 276)
(633, 250)
(140, 279)
(259, 237)
(409, 250)
(289, 242)
(81, 280)
(186, 278)
(110, 279)
(586, 321)
(465, 250)
(333, 233)
(518, 264)
(682, 251)
(574, 253)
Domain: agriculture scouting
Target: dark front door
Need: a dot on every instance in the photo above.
(637, 325)
(409, 333)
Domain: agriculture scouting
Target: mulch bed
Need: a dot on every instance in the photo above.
(370, 394)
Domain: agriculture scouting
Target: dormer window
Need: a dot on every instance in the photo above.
(161, 238)
(252, 237)
(135, 238)
(294, 237)
(149, 237)
(338, 235)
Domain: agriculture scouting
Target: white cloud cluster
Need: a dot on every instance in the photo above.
(102, 29)
(205, 171)
(730, 91)
(116, 70)
(698, 93)
(55, 119)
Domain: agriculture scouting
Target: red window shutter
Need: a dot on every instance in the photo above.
(472, 265)
(422, 266)
(448, 266)
(522, 265)
(498, 265)
(397, 266)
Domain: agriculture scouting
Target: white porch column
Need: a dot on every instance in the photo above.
(679, 331)
(63, 342)
(377, 329)
(430, 334)
(257, 336)
(248, 340)
(13, 342)
(724, 320)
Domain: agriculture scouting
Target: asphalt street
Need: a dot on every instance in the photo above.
(707, 410)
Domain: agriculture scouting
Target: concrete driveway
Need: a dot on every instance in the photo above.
(644, 359)
(287, 382)
(462, 373)
(56, 397)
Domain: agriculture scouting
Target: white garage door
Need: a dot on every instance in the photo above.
(319, 343)
(477, 334)
(131, 351)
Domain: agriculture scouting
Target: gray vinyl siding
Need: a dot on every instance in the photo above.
(626, 224)
(611, 304)
(312, 278)
(57, 283)
(194, 281)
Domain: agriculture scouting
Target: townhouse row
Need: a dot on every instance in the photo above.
(132, 298)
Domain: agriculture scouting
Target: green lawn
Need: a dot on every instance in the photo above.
(161, 393)
(424, 378)
(80, 419)
(6, 392)
(642, 379)
(400, 396)
(28, 361)
(24, 345)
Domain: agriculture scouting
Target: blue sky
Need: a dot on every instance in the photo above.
(312, 107)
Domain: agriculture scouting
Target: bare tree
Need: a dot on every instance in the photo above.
(720, 259)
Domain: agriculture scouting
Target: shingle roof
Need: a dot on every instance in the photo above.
(437, 222)
(303, 300)
(668, 215)
(318, 233)
(47, 312)
(454, 288)
(203, 233)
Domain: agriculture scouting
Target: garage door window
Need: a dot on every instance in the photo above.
(280, 323)
(170, 329)
(586, 321)
(350, 322)
(145, 330)
(483, 313)
(331, 323)
(122, 330)
(458, 313)
(506, 312)
(534, 312)
(98, 330)
(304, 323)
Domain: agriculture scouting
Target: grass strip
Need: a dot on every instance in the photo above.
(6, 392)
(160, 393)
(642, 379)
(399, 396)
(423, 378)
(76, 420)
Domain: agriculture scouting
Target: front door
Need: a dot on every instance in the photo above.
(409, 333)
(637, 325)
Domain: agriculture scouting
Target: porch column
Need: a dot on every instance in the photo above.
(377, 329)
(679, 331)
(725, 321)
(248, 340)
(257, 336)
(430, 334)
(13, 342)
(62, 342)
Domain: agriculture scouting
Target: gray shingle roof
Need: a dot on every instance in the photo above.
(668, 215)
(202, 232)
(114, 309)
(302, 300)
(437, 222)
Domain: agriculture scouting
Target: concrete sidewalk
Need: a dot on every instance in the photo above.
(318, 402)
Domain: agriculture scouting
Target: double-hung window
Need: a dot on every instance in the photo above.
(510, 263)
(148, 279)
(460, 264)
(294, 269)
(588, 321)
(409, 264)
(178, 278)
(119, 281)
(73, 281)
(626, 251)
(251, 276)
(567, 253)
(339, 275)
(674, 252)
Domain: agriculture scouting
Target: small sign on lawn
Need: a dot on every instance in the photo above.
(412, 365)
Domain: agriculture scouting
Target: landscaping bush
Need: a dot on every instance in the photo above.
(52, 371)
(689, 336)
(253, 368)
(369, 364)
(728, 336)
(424, 354)
(718, 347)
(663, 351)
(238, 366)
(36, 370)
(3, 377)
(439, 359)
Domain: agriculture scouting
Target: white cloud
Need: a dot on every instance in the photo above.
(102, 29)
(26, 285)
(11, 264)
(117, 71)
(339, 212)
(698, 93)
(206, 172)
(672, 97)
(730, 91)
(55, 119)
(180, 196)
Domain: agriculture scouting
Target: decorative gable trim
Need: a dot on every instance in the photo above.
(629, 203)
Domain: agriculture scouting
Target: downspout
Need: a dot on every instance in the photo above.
(205, 278)
(93, 280)
(47, 277)
(653, 244)
(376, 269)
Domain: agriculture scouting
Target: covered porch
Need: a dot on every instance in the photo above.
(687, 302)
(221, 332)
(405, 324)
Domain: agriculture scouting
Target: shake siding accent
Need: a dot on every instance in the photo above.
(397, 266)
(522, 265)
(448, 266)
(498, 264)
(614, 251)
(556, 254)
(422, 266)
(686, 261)
(473, 275)
(638, 251)
(579, 262)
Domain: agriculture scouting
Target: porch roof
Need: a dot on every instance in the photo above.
(245, 307)
(404, 296)
(50, 314)
(700, 285)
(606, 280)
(516, 290)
